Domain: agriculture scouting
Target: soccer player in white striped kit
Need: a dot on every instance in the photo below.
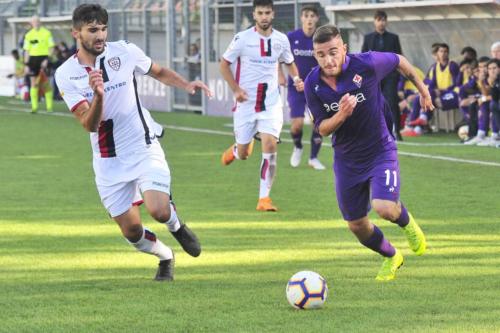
(256, 53)
(98, 84)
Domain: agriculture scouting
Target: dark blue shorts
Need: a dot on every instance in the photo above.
(356, 187)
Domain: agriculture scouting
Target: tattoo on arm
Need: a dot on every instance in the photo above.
(409, 76)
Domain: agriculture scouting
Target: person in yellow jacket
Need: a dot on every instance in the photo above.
(38, 45)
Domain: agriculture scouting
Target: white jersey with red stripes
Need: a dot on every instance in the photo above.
(126, 126)
(256, 59)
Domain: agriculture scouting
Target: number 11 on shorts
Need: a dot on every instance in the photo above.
(388, 177)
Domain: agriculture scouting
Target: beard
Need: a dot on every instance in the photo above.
(264, 26)
(88, 48)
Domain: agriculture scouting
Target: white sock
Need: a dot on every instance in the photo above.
(235, 152)
(173, 224)
(267, 173)
(481, 134)
(423, 116)
(150, 244)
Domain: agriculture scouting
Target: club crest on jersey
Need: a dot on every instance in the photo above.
(114, 63)
(357, 80)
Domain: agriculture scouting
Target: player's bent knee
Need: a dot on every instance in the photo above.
(360, 226)
(132, 232)
(387, 211)
(160, 214)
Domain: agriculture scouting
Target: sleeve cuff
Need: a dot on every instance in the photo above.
(73, 109)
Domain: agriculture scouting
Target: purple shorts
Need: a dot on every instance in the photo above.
(296, 103)
(356, 187)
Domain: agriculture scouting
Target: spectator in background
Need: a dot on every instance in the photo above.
(495, 50)
(463, 77)
(194, 62)
(442, 80)
(469, 95)
(383, 41)
(21, 88)
(407, 92)
(483, 121)
(495, 94)
(194, 71)
(38, 45)
(468, 53)
(487, 115)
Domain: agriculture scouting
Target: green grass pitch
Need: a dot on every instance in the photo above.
(64, 266)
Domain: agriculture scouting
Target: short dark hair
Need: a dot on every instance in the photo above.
(309, 8)
(493, 61)
(469, 49)
(325, 33)
(443, 46)
(14, 52)
(89, 13)
(435, 47)
(380, 14)
(263, 3)
(483, 59)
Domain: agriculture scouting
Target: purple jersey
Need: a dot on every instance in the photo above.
(364, 135)
(302, 49)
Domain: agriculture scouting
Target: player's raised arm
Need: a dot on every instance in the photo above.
(89, 115)
(407, 70)
(171, 78)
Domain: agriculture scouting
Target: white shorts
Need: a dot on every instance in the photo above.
(121, 180)
(248, 122)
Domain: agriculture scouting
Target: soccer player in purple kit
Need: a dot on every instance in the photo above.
(344, 96)
(302, 49)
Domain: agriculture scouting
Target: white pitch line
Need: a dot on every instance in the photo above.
(209, 131)
(405, 143)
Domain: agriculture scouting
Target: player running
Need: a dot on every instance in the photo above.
(344, 96)
(98, 84)
(256, 53)
(302, 49)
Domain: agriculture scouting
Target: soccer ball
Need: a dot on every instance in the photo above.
(306, 290)
(463, 132)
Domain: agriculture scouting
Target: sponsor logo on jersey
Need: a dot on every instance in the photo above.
(303, 53)
(334, 107)
(74, 78)
(160, 184)
(114, 63)
(276, 47)
(357, 80)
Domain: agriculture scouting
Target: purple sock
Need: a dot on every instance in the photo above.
(316, 141)
(403, 219)
(484, 117)
(379, 244)
(297, 139)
